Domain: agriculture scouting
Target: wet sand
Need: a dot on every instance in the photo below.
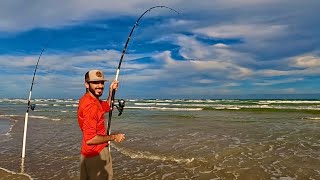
(206, 144)
(5, 125)
(4, 174)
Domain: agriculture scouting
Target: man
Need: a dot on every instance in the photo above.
(95, 161)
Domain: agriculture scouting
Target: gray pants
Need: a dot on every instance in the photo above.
(97, 167)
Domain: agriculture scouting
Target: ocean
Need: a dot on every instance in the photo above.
(171, 139)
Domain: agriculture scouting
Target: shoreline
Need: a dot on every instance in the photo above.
(6, 125)
(7, 174)
(228, 144)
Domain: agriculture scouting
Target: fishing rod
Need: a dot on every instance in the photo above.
(121, 102)
(30, 106)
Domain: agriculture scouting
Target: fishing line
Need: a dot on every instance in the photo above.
(125, 64)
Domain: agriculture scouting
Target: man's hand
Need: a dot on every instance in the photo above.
(114, 85)
(119, 137)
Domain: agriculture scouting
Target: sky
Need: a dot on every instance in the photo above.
(210, 49)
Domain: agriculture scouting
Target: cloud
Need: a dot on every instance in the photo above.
(210, 69)
(190, 48)
(19, 16)
(274, 82)
(221, 45)
(210, 47)
(58, 62)
(247, 31)
(272, 73)
(307, 61)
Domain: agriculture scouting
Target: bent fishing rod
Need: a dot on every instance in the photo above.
(30, 106)
(121, 103)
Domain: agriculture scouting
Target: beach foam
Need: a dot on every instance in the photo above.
(5, 129)
(7, 174)
(311, 118)
(147, 155)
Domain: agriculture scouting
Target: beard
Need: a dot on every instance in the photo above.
(97, 92)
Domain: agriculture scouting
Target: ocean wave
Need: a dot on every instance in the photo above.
(264, 107)
(10, 129)
(164, 108)
(144, 104)
(198, 107)
(42, 104)
(9, 115)
(7, 133)
(44, 117)
(71, 105)
(173, 104)
(183, 104)
(39, 100)
(39, 117)
(47, 110)
(311, 118)
(14, 100)
(290, 102)
(147, 155)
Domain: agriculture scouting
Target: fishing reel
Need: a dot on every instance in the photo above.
(120, 106)
(32, 106)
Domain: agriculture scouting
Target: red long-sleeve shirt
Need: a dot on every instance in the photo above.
(91, 122)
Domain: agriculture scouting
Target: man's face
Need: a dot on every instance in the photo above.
(96, 88)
